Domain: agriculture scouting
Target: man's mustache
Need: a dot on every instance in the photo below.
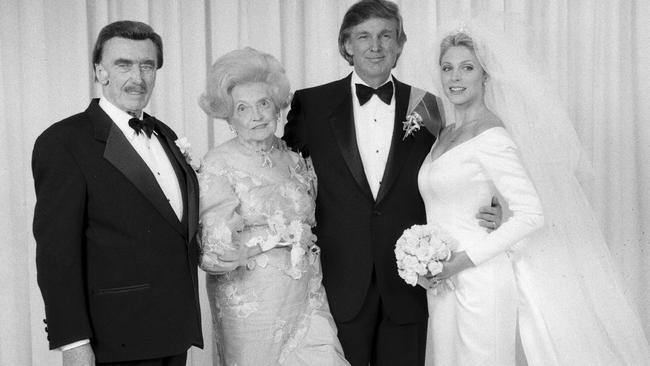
(136, 88)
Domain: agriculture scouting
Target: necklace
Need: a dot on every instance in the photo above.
(265, 155)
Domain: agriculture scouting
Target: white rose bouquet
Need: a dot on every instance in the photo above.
(421, 250)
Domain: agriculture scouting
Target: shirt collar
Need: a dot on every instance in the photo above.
(119, 117)
(356, 79)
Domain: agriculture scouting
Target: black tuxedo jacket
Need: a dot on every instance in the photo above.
(114, 262)
(356, 232)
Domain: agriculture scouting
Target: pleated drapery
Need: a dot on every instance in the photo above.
(595, 52)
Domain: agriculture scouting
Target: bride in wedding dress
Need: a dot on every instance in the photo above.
(545, 274)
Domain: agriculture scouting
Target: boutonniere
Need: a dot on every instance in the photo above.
(186, 149)
(412, 124)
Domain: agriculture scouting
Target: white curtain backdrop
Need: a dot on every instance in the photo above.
(596, 52)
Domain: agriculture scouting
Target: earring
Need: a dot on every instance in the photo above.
(232, 129)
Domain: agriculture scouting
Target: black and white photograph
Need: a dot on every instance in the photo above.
(325, 183)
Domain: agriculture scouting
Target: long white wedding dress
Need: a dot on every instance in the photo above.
(476, 323)
(558, 287)
(522, 283)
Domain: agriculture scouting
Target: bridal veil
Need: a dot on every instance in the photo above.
(572, 306)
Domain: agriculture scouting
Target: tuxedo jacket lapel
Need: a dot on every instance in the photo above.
(122, 156)
(342, 122)
(191, 184)
(399, 149)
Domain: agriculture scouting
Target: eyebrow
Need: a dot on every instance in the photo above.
(123, 61)
(462, 62)
(383, 31)
(131, 62)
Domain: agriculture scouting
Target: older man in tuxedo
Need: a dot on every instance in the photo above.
(115, 219)
(367, 186)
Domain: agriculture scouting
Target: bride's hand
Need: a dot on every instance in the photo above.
(427, 282)
(458, 262)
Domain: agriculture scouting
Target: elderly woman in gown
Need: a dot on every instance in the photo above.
(256, 212)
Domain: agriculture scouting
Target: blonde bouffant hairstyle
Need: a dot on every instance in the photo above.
(243, 66)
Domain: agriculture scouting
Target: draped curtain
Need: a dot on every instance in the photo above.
(596, 53)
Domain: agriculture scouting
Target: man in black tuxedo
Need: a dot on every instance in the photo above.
(115, 218)
(367, 187)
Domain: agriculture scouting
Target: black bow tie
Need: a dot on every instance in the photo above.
(384, 92)
(146, 125)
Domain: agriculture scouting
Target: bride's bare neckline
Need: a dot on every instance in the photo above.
(455, 135)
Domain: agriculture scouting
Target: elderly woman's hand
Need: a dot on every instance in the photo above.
(220, 263)
(216, 264)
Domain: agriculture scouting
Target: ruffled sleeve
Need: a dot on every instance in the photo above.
(219, 217)
(499, 157)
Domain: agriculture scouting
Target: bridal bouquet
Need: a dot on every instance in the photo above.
(421, 250)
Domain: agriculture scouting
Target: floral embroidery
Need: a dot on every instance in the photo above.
(273, 209)
(242, 304)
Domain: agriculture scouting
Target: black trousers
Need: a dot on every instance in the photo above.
(372, 338)
(177, 360)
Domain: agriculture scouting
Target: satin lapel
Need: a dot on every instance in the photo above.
(121, 154)
(191, 182)
(342, 122)
(399, 150)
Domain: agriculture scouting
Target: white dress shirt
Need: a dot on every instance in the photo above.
(152, 153)
(156, 159)
(374, 123)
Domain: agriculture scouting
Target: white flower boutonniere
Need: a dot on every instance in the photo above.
(186, 149)
(412, 124)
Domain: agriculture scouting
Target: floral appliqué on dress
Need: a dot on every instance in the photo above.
(266, 309)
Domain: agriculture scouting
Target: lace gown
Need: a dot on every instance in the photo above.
(476, 323)
(274, 310)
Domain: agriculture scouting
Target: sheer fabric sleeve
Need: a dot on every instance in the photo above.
(498, 155)
(219, 216)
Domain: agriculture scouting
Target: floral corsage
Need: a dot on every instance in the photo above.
(281, 233)
(186, 149)
(412, 124)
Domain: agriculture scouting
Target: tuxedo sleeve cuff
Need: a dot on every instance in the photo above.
(74, 345)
